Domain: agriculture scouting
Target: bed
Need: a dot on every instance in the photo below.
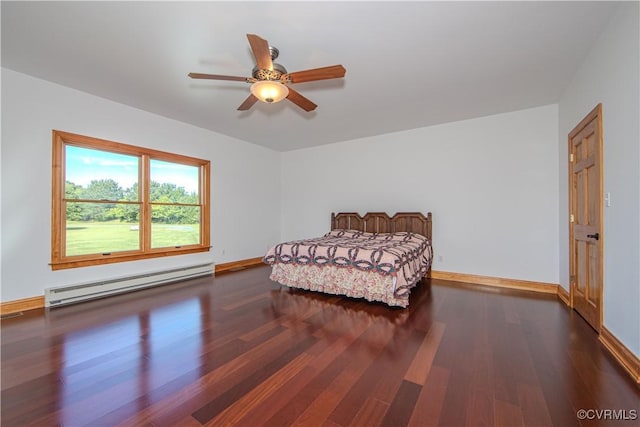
(375, 257)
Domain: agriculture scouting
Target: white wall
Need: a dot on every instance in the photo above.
(610, 75)
(31, 108)
(491, 183)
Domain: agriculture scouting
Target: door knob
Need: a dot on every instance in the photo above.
(594, 236)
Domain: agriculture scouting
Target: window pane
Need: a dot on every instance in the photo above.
(173, 226)
(95, 228)
(174, 182)
(100, 175)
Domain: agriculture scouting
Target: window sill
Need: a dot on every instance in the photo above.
(76, 262)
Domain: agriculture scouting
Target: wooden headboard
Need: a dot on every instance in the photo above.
(380, 222)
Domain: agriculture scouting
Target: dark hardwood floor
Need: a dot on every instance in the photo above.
(238, 349)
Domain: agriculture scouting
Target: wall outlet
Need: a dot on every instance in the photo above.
(439, 258)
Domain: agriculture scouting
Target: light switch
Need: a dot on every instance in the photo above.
(607, 199)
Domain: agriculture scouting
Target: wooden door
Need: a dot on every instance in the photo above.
(585, 208)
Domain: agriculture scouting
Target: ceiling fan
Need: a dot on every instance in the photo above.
(270, 81)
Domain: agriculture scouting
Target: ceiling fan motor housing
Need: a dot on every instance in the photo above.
(275, 74)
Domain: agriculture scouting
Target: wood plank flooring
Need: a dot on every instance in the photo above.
(239, 350)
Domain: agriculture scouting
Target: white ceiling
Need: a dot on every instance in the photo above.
(409, 64)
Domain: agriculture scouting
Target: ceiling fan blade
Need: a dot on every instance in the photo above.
(217, 77)
(301, 101)
(324, 73)
(260, 49)
(248, 103)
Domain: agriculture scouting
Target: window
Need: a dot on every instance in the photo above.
(114, 202)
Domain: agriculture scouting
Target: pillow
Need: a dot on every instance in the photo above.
(346, 233)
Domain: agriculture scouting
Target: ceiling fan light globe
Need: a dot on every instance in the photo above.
(269, 91)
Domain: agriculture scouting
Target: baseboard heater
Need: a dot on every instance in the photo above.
(63, 295)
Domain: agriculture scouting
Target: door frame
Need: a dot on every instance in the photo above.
(596, 114)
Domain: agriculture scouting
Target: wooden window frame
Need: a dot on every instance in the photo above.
(58, 212)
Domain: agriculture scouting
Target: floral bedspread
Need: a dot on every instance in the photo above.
(376, 266)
